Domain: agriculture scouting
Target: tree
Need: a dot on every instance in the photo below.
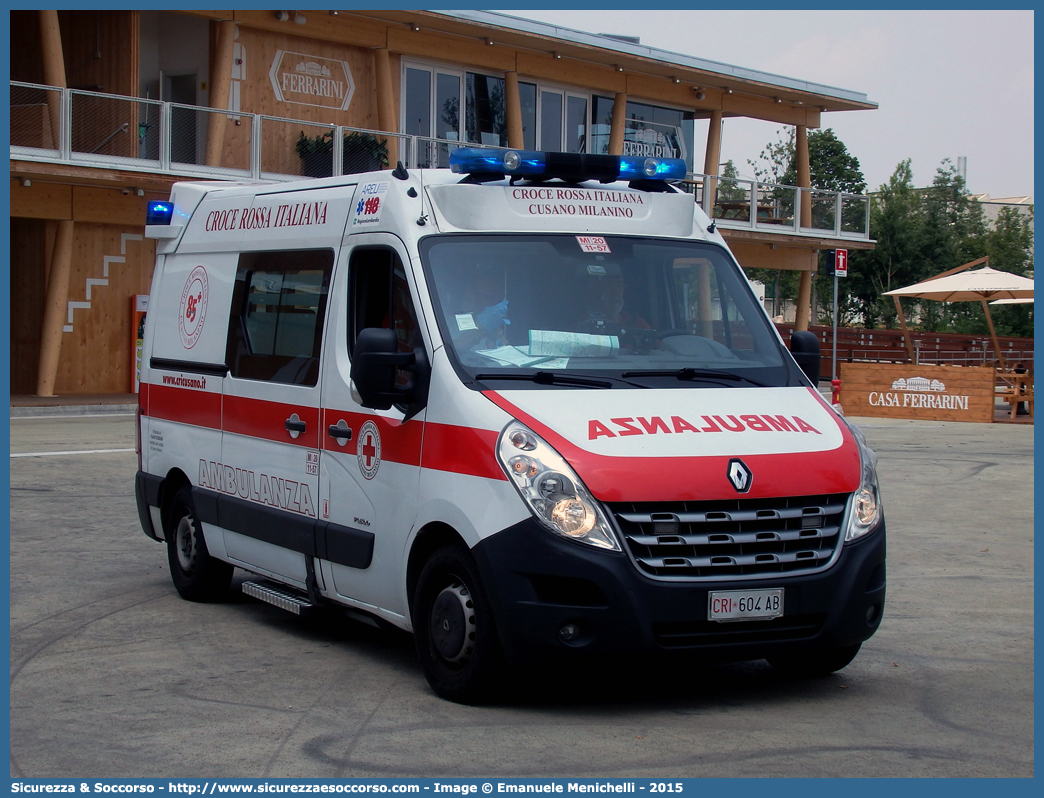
(921, 232)
(728, 189)
(896, 222)
(831, 168)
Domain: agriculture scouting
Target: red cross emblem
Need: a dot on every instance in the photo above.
(369, 452)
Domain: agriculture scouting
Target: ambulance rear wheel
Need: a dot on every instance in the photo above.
(196, 575)
(815, 663)
(454, 630)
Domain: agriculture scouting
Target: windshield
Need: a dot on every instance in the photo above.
(637, 311)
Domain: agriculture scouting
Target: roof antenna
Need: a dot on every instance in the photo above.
(711, 228)
(423, 218)
(400, 172)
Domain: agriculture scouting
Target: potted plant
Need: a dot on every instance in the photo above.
(362, 152)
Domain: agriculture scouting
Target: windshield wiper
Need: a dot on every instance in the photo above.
(549, 378)
(695, 374)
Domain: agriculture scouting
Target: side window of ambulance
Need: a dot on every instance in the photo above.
(278, 305)
(380, 297)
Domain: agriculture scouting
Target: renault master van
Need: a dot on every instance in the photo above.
(527, 408)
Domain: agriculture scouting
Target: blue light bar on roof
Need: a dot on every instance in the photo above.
(639, 168)
(471, 160)
(159, 213)
(566, 165)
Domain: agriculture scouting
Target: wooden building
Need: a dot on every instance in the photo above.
(109, 108)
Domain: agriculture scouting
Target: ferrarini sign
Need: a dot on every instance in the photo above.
(304, 79)
(904, 390)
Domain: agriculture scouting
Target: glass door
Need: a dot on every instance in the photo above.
(431, 110)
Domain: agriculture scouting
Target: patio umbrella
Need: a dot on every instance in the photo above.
(968, 285)
(975, 285)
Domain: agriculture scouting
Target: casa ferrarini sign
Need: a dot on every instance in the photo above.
(310, 80)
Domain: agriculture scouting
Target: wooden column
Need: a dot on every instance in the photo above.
(387, 119)
(54, 69)
(513, 103)
(804, 297)
(220, 86)
(804, 174)
(616, 130)
(712, 158)
(55, 308)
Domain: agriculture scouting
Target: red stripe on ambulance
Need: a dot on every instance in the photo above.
(461, 450)
(199, 408)
(400, 443)
(695, 478)
(256, 418)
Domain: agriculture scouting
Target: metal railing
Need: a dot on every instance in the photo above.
(111, 131)
(750, 204)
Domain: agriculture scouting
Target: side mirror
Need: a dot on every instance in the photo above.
(376, 362)
(804, 346)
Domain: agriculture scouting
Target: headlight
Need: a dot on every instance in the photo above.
(551, 489)
(866, 503)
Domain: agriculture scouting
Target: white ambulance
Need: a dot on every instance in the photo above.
(527, 408)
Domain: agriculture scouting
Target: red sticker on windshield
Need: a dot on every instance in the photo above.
(593, 244)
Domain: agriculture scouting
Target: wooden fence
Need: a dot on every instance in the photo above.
(856, 345)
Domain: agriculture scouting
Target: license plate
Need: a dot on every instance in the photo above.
(744, 605)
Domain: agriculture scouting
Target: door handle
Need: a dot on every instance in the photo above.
(340, 431)
(295, 426)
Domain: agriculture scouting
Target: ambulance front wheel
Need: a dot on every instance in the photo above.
(196, 575)
(454, 630)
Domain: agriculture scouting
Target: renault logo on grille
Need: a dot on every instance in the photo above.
(739, 475)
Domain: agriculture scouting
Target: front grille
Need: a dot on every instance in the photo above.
(732, 538)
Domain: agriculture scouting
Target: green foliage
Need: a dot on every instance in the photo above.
(831, 166)
(363, 152)
(728, 189)
(919, 232)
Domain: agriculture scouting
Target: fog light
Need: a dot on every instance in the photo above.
(569, 632)
(871, 615)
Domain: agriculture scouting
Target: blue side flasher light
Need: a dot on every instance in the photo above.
(472, 160)
(641, 168)
(159, 213)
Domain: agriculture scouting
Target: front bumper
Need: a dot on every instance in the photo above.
(538, 584)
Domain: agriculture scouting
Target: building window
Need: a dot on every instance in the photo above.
(553, 118)
(649, 130)
(485, 110)
(431, 110)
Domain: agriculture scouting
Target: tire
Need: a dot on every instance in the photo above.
(454, 629)
(196, 575)
(815, 663)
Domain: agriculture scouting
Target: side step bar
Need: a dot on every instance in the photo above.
(280, 596)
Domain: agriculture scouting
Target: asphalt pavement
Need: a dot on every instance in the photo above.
(113, 675)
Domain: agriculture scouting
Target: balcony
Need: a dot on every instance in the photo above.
(107, 131)
(737, 204)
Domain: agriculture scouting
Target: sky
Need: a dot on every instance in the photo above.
(947, 83)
